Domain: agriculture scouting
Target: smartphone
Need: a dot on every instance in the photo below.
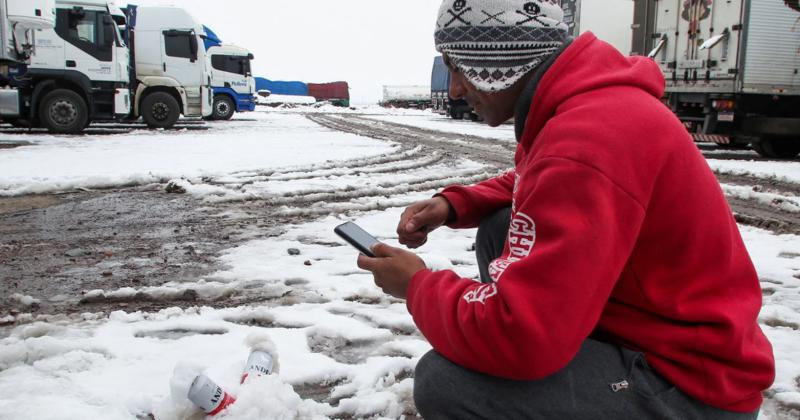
(359, 238)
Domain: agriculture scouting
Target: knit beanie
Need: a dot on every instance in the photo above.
(494, 43)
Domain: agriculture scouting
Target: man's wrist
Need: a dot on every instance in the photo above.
(451, 211)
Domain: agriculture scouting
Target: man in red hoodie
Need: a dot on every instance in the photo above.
(615, 283)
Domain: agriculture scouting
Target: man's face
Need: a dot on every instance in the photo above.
(494, 107)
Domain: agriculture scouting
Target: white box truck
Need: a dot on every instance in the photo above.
(172, 72)
(732, 68)
(232, 80)
(79, 71)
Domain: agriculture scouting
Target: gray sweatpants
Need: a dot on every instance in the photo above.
(603, 381)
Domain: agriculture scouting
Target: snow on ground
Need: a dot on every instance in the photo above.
(339, 339)
(789, 171)
(259, 140)
(121, 366)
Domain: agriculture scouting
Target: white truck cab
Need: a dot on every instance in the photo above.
(172, 69)
(77, 71)
(80, 67)
(232, 80)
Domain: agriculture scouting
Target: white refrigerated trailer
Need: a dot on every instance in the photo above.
(732, 68)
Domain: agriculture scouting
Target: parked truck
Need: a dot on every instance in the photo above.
(72, 70)
(171, 72)
(440, 76)
(79, 71)
(396, 96)
(441, 101)
(232, 81)
(732, 68)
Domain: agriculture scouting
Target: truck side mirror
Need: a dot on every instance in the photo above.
(193, 46)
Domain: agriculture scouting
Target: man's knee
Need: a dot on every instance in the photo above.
(429, 377)
(490, 240)
(494, 229)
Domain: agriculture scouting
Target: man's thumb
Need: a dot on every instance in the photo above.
(381, 250)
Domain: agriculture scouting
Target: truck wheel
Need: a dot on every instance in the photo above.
(63, 111)
(160, 110)
(223, 108)
(778, 147)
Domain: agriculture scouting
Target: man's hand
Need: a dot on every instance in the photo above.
(421, 218)
(392, 267)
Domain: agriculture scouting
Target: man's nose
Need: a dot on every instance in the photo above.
(457, 89)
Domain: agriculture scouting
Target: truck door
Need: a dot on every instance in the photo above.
(719, 41)
(180, 57)
(696, 41)
(91, 37)
(233, 71)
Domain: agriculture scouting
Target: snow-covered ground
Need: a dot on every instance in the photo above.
(260, 140)
(337, 336)
(432, 121)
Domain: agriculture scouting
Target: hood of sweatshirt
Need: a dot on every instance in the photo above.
(584, 65)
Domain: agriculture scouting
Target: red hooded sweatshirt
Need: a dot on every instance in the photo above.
(619, 230)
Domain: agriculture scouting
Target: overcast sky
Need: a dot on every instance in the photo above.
(368, 43)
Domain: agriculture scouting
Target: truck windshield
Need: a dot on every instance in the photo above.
(237, 64)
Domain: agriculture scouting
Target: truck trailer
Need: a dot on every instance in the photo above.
(337, 93)
(441, 101)
(732, 68)
(417, 97)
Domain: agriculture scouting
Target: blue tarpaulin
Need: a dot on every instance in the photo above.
(282, 88)
(212, 40)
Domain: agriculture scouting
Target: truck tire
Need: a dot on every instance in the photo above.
(160, 110)
(63, 111)
(224, 108)
(778, 147)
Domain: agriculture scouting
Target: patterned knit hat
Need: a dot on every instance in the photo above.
(494, 43)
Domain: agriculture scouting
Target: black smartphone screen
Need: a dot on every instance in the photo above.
(357, 237)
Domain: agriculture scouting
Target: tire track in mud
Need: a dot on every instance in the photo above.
(769, 216)
(773, 185)
(139, 237)
(458, 146)
(492, 152)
